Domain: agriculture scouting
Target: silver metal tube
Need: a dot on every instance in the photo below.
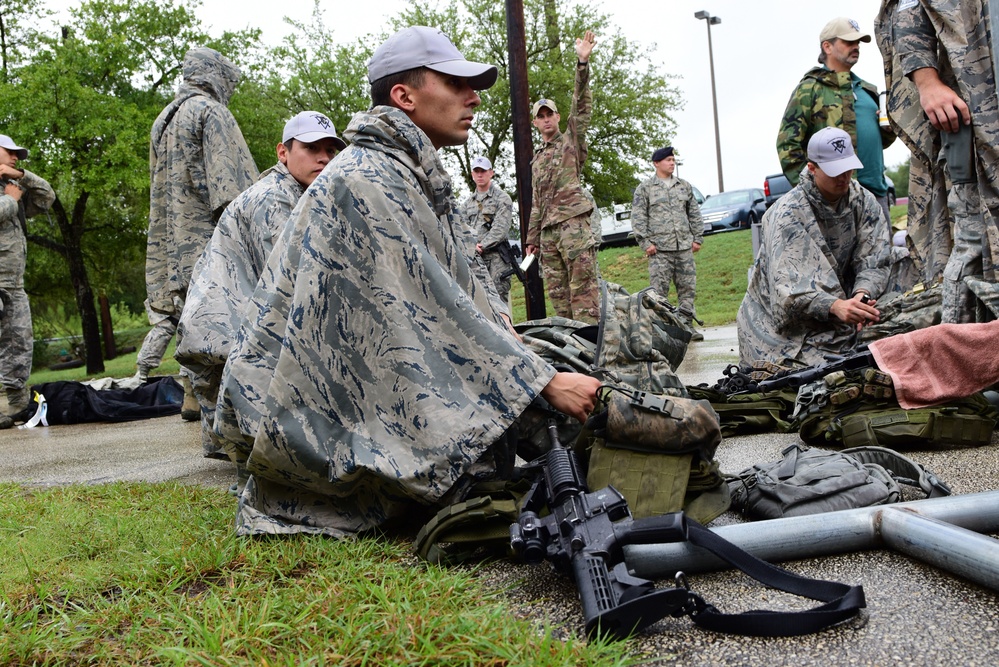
(819, 535)
(943, 545)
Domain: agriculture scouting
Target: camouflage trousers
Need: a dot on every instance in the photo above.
(16, 338)
(497, 267)
(677, 267)
(155, 344)
(569, 268)
(966, 257)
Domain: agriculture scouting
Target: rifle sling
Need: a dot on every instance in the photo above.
(842, 601)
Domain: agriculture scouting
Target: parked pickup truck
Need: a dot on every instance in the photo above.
(774, 187)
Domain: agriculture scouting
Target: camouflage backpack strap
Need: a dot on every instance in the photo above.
(479, 524)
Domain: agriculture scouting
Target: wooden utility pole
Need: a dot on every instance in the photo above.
(523, 149)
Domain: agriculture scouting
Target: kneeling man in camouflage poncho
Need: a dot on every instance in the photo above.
(374, 373)
(823, 262)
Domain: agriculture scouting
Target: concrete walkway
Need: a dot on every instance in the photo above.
(916, 614)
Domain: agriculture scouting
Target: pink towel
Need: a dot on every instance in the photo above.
(941, 363)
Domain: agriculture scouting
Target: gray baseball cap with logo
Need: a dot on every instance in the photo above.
(481, 162)
(420, 46)
(832, 150)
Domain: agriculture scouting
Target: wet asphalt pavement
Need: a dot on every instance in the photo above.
(916, 614)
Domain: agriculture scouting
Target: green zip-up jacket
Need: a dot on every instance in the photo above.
(823, 98)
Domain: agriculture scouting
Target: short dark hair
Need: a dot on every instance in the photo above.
(291, 142)
(381, 89)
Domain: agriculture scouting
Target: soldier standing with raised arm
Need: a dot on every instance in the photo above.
(560, 214)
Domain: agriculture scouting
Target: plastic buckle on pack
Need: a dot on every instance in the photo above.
(656, 403)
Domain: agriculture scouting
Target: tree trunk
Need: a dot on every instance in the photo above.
(72, 251)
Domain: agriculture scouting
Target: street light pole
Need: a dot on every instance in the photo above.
(713, 20)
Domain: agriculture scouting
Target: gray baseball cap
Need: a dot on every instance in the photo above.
(310, 126)
(481, 162)
(420, 46)
(832, 150)
(8, 143)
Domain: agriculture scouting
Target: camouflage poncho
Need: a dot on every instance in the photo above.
(198, 163)
(811, 253)
(225, 276)
(371, 372)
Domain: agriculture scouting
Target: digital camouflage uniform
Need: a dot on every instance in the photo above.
(823, 98)
(665, 214)
(370, 358)
(223, 280)
(560, 213)
(16, 337)
(490, 215)
(811, 254)
(198, 163)
(952, 215)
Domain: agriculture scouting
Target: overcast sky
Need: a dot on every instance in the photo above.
(761, 49)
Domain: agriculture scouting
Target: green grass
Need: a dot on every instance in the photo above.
(132, 573)
(722, 264)
(121, 366)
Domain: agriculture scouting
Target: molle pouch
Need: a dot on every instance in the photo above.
(658, 451)
(959, 153)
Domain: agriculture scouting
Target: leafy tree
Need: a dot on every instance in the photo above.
(309, 70)
(17, 19)
(632, 97)
(84, 101)
(899, 175)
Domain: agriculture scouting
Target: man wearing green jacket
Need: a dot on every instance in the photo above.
(831, 95)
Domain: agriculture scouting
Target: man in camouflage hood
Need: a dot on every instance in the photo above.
(373, 374)
(198, 163)
(940, 64)
(227, 272)
(824, 248)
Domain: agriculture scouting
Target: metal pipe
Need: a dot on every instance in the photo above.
(943, 545)
(851, 530)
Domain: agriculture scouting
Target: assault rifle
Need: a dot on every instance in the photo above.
(793, 379)
(583, 533)
(506, 254)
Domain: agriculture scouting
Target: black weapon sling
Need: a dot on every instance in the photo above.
(842, 601)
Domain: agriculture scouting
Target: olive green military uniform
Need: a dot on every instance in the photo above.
(560, 214)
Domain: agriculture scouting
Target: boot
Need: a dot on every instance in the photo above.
(190, 410)
(6, 422)
(695, 335)
(17, 400)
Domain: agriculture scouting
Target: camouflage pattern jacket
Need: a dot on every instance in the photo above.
(490, 215)
(823, 98)
(227, 272)
(811, 254)
(37, 197)
(665, 214)
(198, 163)
(951, 36)
(370, 353)
(556, 192)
